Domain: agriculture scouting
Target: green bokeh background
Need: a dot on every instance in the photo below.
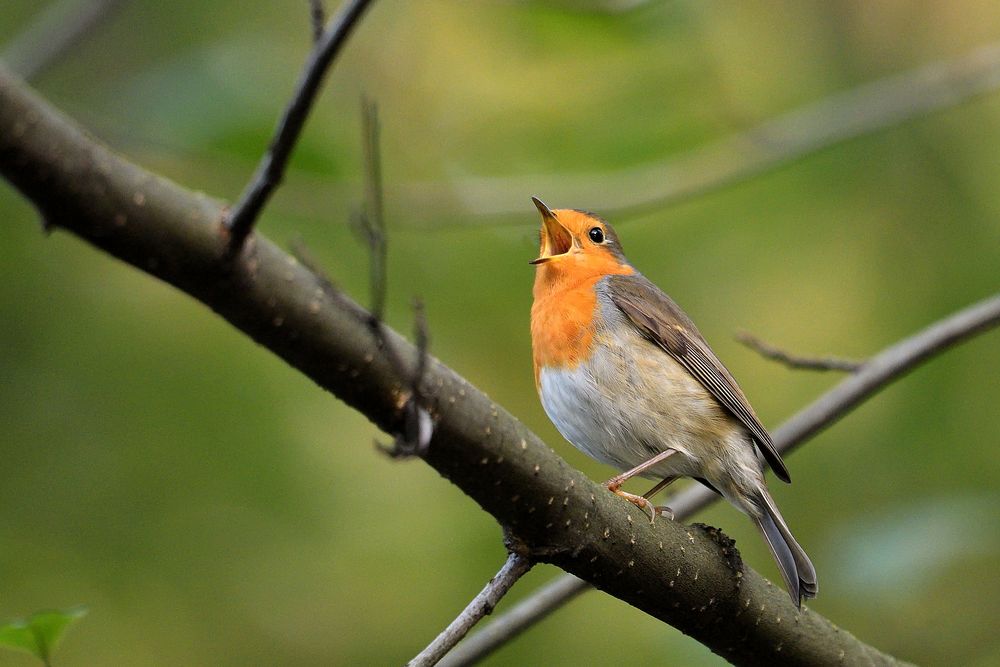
(212, 506)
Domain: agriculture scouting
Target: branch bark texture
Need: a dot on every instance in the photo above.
(689, 577)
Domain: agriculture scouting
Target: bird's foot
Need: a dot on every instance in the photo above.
(638, 501)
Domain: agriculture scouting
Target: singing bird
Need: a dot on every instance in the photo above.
(627, 378)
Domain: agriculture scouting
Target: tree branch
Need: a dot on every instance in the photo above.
(688, 577)
(769, 351)
(271, 169)
(513, 569)
(516, 620)
(370, 226)
(885, 367)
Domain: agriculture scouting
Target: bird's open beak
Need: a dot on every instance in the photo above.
(556, 239)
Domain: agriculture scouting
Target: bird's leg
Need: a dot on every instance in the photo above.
(662, 484)
(615, 483)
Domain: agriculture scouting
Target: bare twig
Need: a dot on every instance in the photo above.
(840, 117)
(795, 361)
(513, 569)
(417, 425)
(878, 372)
(522, 616)
(56, 30)
(370, 221)
(269, 172)
(369, 224)
(317, 16)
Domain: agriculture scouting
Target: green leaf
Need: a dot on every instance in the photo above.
(40, 633)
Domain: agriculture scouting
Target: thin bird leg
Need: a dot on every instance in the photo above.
(667, 481)
(615, 483)
(664, 483)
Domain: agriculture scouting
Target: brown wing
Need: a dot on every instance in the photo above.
(662, 321)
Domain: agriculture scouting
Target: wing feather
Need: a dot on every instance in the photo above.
(663, 322)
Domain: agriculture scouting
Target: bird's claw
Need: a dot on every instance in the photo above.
(639, 502)
(663, 510)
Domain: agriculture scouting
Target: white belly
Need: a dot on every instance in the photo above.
(631, 402)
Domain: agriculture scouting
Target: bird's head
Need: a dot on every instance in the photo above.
(578, 242)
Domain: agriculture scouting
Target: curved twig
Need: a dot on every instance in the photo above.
(775, 353)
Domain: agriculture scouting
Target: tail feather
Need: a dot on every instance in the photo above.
(796, 568)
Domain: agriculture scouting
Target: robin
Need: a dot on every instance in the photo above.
(627, 378)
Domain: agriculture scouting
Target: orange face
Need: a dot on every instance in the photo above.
(575, 244)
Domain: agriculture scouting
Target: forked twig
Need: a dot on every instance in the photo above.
(879, 371)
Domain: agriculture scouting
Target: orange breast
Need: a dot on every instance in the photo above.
(562, 326)
(563, 315)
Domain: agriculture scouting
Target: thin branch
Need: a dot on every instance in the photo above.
(563, 517)
(54, 33)
(317, 17)
(795, 361)
(271, 169)
(857, 112)
(417, 428)
(370, 222)
(482, 605)
(878, 372)
(513, 622)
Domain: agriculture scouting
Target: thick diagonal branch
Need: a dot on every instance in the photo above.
(684, 576)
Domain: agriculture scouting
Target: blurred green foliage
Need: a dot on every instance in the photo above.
(40, 633)
(211, 506)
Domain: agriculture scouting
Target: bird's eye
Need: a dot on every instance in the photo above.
(596, 234)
